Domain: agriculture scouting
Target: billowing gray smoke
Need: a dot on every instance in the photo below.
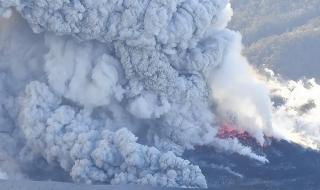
(163, 50)
(91, 152)
(111, 71)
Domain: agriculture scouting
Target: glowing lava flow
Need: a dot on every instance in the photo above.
(230, 130)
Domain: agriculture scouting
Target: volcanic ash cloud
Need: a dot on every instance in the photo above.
(115, 91)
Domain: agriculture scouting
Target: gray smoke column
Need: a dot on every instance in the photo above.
(92, 152)
(125, 87)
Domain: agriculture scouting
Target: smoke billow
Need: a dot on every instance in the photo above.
(296, 109)
(116, 91)
(240, 96)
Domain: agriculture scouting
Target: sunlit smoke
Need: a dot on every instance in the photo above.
(240, 97)
(296, 110)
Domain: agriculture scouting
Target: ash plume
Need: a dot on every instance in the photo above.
(116, 91)
(93, 153)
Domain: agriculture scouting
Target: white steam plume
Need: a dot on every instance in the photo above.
(296, 110)
(240, 97)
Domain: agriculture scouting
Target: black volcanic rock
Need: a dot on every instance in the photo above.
(290, 167)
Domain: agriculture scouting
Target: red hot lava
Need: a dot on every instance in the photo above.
(229, 130)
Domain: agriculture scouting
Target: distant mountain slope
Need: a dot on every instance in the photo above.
(281, 35)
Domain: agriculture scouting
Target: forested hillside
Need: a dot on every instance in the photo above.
(281, 35)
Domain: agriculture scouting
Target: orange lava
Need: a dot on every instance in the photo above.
(229, 130)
